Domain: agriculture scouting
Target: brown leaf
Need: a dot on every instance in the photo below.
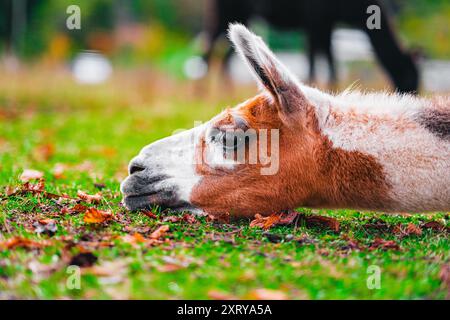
(435, 226)
(267, 294)
(380, 226)
(172, 219)
(96, 198)
(170, 267)
(161, 231)
(19, 242)
(93, 215)
(321, 222)
(136, 238)
(78, 208)
(150, 214)
(410, 229)
(189, 218)
(265, 222)
(58, 170)
(379, 243)
(288, 218)
(221, 218)
(413, 229)
(44, 152)
(40, 186)
(30, 174)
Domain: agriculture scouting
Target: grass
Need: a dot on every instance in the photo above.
(46, 120)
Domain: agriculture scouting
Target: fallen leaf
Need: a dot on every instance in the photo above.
(93, 215)
(150, 214)
(136, 238)
(172, 219)
(436, 226)
(410, 229)
(100, 186)
(265, 222)
(267, 294)
(83, 259)
(158, 233)
(40, 186)
(380, 226)
(58, 171)
(78, 208)
(169, 267)
(321, 222)
(30, 174)
(44, 152)
(379, 243)
(96, 198)
(288, 218)
(19, 242)
(189, 218)
(221, 218)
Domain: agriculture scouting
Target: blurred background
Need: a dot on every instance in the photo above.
(171, 37)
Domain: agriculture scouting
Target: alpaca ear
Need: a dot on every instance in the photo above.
(269, 71)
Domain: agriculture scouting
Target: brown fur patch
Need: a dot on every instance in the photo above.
(437, 120)
(311, 172)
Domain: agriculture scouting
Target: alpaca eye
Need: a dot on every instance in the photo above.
(232, 140)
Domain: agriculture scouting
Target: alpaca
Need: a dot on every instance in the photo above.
(317, 19)
(373, 151)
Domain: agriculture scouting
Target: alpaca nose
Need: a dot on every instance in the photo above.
(136, 168)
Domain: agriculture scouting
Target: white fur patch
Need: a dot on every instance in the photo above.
(415, 161)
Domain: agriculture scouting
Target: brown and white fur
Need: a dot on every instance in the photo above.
(374, 151)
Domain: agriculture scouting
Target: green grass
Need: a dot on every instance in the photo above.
(104, 127)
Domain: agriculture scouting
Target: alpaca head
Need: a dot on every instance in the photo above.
(258, 157)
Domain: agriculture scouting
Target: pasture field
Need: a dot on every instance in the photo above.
(82, 137)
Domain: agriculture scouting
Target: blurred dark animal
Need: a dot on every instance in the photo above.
(317, 18)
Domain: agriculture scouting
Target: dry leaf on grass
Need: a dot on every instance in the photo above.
(265, 222)
(58, 171)
(435, 226)
(379, 243)
(405, 231)
(44, 152)
(288, 218)
(30, 174)
(136, 238)
(78, 208)
(150, 214)
(188, 218)
(321, 222)
(221, 218)
(267, 294)
(170, 267)
(161, 231)
(19, 242)
(96, 198)
(93, 215)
